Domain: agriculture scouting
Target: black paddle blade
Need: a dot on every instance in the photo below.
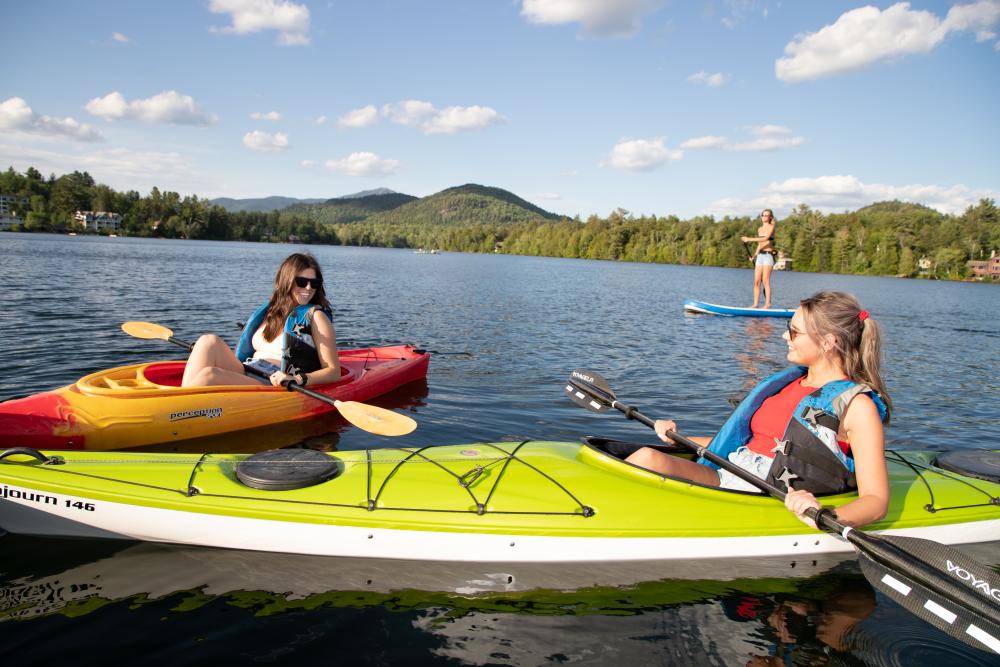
(956, 620)
(589, 390)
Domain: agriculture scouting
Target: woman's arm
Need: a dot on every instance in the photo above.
(325, 336)
(763, 241)
(863, 429)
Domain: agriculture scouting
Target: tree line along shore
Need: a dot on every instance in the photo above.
(889, 238)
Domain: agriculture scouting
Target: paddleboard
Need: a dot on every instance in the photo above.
(702, 308)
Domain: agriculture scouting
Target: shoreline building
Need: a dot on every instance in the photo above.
(98, 221)
(10, 207)
(985, 268)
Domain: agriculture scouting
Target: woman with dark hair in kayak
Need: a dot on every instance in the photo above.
(813, 429)
(763, 257)
(271, 339)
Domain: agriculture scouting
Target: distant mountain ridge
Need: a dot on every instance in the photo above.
(469, 203)
(277, 203)
(352, 208)
(259, 204)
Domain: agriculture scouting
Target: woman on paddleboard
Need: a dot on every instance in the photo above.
(272, 339)
(762, 257)
(813, 429)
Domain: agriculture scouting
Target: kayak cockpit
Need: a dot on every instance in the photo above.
(165, 377)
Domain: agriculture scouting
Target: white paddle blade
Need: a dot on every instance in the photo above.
(375, 419)
(147, 330)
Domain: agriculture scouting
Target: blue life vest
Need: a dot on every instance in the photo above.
(808, 455)
(295, 349)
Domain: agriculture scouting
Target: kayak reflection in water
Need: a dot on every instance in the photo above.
(804, 632)
(272, 339)
(813, 429)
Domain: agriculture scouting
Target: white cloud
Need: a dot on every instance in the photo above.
(845, 192)
(167, 107)
(739, 11)
(17, 116)
(308, 164)
(767, 138)
(708, 141)
(711, 80)
(320, 120)
(266, 142)
(291, 20)
(416, 113)
(119, 37)
(363, 117)
(642, 154)
(867, 35)
(120, 168)
(410, 112)
(597, 18)
(764, 138)
(270, 115)
(455, 119)
(363, 164)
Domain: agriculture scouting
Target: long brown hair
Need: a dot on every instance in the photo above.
(282, 302)
(857, 337)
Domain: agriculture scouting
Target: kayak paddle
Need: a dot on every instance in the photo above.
(366, 417)
(939, 584)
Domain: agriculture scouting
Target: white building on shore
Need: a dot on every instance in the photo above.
(98, 221)
(12, 210)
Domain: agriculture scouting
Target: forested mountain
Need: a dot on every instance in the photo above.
(886, 238)
(260, 205)
(347, 209)
(468, 203)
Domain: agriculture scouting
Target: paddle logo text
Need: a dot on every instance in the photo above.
(979, 584)
(211, 413)
(585, 378)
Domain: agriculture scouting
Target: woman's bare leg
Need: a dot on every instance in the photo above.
(212, 362)
(665, 464)
(766, 280)
(757, 273)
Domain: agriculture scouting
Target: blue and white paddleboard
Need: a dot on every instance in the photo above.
(702, 308)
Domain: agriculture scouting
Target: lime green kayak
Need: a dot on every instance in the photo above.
(505, 502)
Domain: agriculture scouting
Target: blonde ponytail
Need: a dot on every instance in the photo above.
(857, 337)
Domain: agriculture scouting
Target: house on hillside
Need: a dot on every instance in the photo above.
(12, 209)
(985, 268)
(784, 263)
(98, 221)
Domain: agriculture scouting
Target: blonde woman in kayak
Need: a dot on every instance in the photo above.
(271, 337)
(815, 428)
(763, 257)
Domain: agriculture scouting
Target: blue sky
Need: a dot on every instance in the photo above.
(579, 106)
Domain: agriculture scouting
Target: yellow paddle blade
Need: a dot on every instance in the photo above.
(375, 419)
(147, 330)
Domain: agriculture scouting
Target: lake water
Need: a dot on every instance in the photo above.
(509, 330)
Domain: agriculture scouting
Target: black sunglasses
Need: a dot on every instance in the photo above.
(792, 333)
(302, 281)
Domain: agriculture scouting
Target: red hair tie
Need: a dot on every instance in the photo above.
(863, 315)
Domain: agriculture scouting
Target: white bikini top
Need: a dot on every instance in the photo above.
(267, 350)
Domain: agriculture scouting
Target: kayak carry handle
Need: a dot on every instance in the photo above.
(31, 451)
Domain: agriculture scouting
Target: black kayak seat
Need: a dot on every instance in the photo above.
(979, 463)
(287, 469)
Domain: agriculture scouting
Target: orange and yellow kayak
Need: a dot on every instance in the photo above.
(144, 404)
